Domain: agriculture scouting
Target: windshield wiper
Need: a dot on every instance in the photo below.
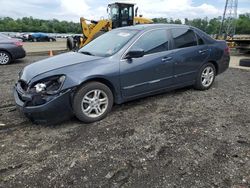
(86, 53)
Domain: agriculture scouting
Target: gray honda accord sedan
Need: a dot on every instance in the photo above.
(121, 65)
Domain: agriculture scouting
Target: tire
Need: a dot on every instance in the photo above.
(70, 43)
(205, 77)
(34, 40)
(245, 62)
(5, 58)
(92, 102)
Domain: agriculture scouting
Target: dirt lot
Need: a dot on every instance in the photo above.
(38, 47)
(184, 138)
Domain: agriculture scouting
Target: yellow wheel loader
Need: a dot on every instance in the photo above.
(120, 15)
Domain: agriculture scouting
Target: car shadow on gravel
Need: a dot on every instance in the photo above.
(116, 108)
(148, 99)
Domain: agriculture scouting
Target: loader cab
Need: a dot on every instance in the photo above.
(121, 14)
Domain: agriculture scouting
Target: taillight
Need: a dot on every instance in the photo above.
(18, 43)
(227, 50)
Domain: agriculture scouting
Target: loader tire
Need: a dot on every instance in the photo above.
(70, 43)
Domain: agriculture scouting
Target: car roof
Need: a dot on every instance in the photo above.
(154, 26)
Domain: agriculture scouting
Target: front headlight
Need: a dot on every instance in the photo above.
(50, 86)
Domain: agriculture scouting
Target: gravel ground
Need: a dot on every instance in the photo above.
(183, 138)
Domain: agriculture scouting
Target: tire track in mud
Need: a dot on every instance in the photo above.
(7, 106)
(12, 127)
(6, 110)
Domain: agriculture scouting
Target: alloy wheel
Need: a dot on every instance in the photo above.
(94, 103)
(4, 58)
(207, 76)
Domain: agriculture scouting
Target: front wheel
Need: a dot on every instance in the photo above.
(92, 102)
(205, 77)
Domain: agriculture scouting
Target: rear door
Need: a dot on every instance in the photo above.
(189, 53)
(151, 72)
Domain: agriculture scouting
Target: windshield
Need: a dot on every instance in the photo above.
(108, 43)
(114, 12)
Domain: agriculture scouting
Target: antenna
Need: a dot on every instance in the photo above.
(228, 23)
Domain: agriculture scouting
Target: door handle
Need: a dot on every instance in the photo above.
(166, 59)
(202, 51)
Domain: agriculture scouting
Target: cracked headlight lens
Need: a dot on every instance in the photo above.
(40, 87)
(51, 85)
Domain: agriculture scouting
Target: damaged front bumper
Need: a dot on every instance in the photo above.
(44, 109)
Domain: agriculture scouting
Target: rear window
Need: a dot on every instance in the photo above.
(183, 38)
(200, 40)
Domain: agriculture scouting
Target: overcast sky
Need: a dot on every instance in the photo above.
(71, 10)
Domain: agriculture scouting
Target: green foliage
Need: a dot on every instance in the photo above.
(166, 20)
(212, 26)
(30, 24)
(243, 24)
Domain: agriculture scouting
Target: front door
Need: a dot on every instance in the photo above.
(153, 71)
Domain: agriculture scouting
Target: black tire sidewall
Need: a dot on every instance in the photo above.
(198, 84)
(7, 55)
(70, 43)
(80, 93)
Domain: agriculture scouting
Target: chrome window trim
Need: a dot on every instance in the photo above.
(122, 57)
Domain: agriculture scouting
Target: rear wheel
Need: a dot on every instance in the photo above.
(205, 77)
(92, 102)
(5, 58)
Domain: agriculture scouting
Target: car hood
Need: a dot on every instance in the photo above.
(53, 63)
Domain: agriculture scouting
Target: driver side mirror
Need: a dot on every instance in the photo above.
(134, 54)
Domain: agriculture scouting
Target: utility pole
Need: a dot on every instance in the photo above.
(228, 23)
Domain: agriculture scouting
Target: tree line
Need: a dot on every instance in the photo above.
(211, 26)
(30, 24)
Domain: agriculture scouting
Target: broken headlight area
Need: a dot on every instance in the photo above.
(48, 86)
(42, 91)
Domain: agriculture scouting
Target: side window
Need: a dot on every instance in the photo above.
(152, 42)
(125, 13)
(200, 40)
(183, 38)
(130, 13)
